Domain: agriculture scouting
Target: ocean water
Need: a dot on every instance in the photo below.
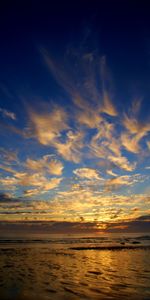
(75, 267)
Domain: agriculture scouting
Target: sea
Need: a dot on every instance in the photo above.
(74, 267)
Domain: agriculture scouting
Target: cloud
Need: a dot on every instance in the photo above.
(106, 145)
(55, 167)
(8, 182)
(148, 144)
(79, 79)
(7, 169)
(108, 106)
(87, 173)
(45, 165)
(71, 149)
(42, 187)
(46, 127)
(131, 143)
(11, 129)
(31, 192)
(107, 142)
(8, 155)
(59, 73)
(110, 172)
(124, 180)
(139, 224)
(86, 114)
(135, 131)
(35, 180)
(118, 181)
(8, 114)
(131, 124)
(52, 129)
(52, 183)
(5, 197)
(103, 142)
(136, 106)
(122, 162)
(35, 175)
(76, 203)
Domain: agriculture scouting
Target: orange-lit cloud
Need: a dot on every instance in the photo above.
(8, 182)
(110, 172)
(122, 162)
(108, 106)
(71, 149)
(87, 173)
(86, 114)
(37, 181)
(47, 126)
(45, 165)
(135, 132)
(125, 180)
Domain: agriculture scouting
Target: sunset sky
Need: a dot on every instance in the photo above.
(75, 116)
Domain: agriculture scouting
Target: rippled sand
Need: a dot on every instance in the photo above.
(53, 270)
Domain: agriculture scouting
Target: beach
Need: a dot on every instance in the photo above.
(110, 267)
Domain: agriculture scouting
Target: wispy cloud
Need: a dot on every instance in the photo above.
(8, 114)
(125, 180)
(131, 143)
(135, 131)
(108, 107)
(8, 155)
(110, 172)
(37, 180)
(87, 114)
(7, 169)
(45, 165)
(8, 182)
(48, 126)
(80, 81)
(71, 149)
(35, 177)
(87, 173)
(52, 129)
(148, 144)
(122, 162)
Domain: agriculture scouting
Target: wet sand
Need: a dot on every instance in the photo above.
(75, 269)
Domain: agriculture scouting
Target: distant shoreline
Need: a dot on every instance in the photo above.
(130, 247)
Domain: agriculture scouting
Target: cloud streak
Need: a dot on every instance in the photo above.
(8, 114)
(87, 173)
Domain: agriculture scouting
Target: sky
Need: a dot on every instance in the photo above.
(75, 116)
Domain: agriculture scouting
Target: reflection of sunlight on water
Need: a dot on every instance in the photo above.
(60, 273)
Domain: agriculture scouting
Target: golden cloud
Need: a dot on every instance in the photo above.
(110, 172)
(35, 180)
(108, 106)
(45, 165)
(87, 173)
(71, 149)
(122, 162)
(48, 126)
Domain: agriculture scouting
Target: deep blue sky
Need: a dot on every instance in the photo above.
(119, 29)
